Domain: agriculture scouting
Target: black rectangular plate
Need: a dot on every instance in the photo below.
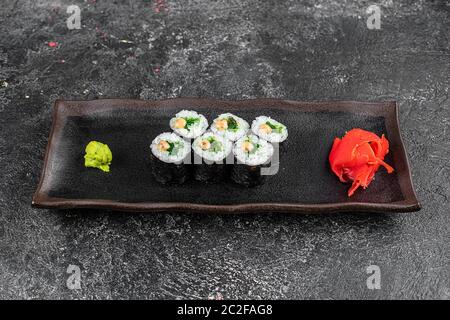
(303, 184)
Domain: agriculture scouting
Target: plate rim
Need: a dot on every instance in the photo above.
(388, 109)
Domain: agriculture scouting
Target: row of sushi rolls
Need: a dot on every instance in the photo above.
(229, 149)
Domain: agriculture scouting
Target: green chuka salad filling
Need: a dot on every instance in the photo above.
(174, 147)
(278, 128)
(216, 146)
(190, 122)
(98, 155)
(232, 124)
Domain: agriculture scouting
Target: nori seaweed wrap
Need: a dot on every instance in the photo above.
(252, 154)
(169, 161)
(210, 153)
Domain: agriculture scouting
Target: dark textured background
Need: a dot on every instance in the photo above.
(313, 50)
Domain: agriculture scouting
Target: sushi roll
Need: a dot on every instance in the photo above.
(210, 153)
(189, 124)
(230, 126)
(168, 154)
(252, 153)
(269, 129)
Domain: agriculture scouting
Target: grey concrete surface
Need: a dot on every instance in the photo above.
(301, 50)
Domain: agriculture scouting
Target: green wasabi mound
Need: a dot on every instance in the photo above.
(98, 155)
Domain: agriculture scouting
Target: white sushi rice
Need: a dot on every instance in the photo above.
(260, 156)
(164, 155)
(209, 154)
(195, 129)
(273, 136)
(243, 127)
